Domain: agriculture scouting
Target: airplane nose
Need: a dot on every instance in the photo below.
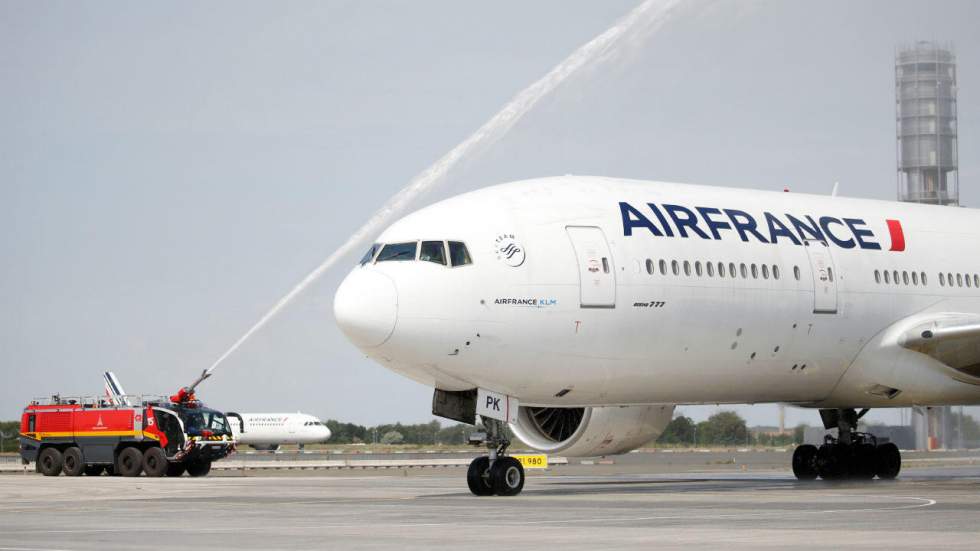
(366, 306)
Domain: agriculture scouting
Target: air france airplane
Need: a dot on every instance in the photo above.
(580, 310)
(268, 431)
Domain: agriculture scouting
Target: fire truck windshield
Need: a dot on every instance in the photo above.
(198, 420)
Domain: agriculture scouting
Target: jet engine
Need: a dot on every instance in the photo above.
(590, 431)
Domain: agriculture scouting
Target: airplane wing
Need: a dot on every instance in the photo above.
(950, 338)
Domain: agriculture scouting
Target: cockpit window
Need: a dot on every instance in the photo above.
(433, 251)
(458, 254)
(398, 251)
(369, 255)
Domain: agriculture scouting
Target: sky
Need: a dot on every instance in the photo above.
(169, 171)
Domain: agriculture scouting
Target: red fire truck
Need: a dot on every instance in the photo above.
(157, 436)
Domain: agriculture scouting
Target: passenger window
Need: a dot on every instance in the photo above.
(745, 271)
(877, 276)
(915, 278)
(895, 277)
(755, 272)
(458, 254)
(369, 255)
(731, 270)
(830, 274)
(976, 280)
(796, 272)
(959, 280)
(697, 268)
(721, 269)
(663, 267)
(649, 266)
(433, 251)
(687, 268)
(905, 278)
(765, 271)
(605, 265)
(674, 266)
(775, 271)
(887, 277)
(923, 277)
(711, 269)
(942, 280)
(398, 252)
(969, 282)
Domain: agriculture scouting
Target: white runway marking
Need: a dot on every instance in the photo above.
(919, 502)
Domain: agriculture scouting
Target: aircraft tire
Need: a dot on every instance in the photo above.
(889, 461)
(832, 461)
(507, 476)
(478, 477)
(864, 461)
(804, 466)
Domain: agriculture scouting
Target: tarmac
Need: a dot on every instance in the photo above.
(684, 500)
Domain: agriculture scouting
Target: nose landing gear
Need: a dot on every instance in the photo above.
(495, 473)
(852, 455)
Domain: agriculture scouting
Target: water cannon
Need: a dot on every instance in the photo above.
(184, 396)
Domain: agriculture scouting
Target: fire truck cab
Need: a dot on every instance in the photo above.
(158, 436)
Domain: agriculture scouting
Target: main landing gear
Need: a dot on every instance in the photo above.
(852, 455)
(495, 473)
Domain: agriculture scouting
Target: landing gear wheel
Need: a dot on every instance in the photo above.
(198, 468)
(129, 462)
(804, 458)
(154, 462)
(507, 476)
(73, 462)
(832, 461)
(864, 462)
(94, 470)
(49, 462)
(176, 469)
(478, 477)
(889, 461)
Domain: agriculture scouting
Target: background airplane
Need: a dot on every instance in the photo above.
(268, 431)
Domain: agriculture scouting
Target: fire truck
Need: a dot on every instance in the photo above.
(123, 435)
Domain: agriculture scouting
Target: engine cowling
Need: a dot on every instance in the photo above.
(590, 431)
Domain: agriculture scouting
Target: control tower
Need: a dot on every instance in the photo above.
(925, 100)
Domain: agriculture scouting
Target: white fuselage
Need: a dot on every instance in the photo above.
(276, 429)
(606, 302)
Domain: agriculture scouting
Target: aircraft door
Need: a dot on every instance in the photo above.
(824, 276)
(237, 422)
(597, 278)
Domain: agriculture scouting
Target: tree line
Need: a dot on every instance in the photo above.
(722, 428)
(8, 440)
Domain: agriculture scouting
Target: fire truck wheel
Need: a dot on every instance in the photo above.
(74, 463)
(154, 462)
(198, 468)
(129, 462)
(176, 469)
(49, 462)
